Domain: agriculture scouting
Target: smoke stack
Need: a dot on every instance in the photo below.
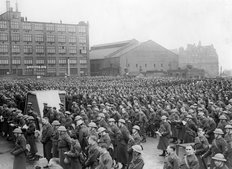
(7, 5)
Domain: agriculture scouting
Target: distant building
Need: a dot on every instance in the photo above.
(200, 57)
(131, 57)
(39, 48)
(188, 72)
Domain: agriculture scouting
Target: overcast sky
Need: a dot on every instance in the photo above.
(171, 23)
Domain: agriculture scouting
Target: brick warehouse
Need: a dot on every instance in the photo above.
(131, 57)
(39, 48)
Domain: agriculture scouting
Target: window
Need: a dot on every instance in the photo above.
(72, 39)
(28, 62)
(61, 49)
(50, 38)
(38, 26)
(14, 25)
(27, 38)
(83, 49)
(27, 49)
(52, 61)
(62, 61)
(50, 27)
(3, 48)
(40, 61)
(27, 26)
(15, 37)
(81, 29)
(61, 28)
(71, 28)
(4, 62)
(39, 38)
(39, 49)
(3, 25)
(82, 39)
(61, 38)
(72, 49)
(3, 37)
(15, 49)
(73, 61)
(83, 61)
(16, 61)
(51, 49)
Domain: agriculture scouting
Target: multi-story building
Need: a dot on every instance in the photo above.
(39, 48)
(131, 57)
(200, 57)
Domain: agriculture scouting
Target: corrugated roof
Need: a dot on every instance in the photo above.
(120, 43)
(102, 53)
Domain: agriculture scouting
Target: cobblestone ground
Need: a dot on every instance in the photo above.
(150, 154)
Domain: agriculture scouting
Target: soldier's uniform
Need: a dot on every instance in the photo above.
(47, 140)
(189, 161)
(171, 161)
(201, 147)
(19, 153)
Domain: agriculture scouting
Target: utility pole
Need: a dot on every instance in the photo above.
(10, 37)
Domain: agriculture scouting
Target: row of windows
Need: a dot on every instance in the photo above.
(40, 61)
(41, 27)
(28, 49)
(161, 65)
(40, 38)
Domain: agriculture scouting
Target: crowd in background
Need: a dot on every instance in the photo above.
(105, 121)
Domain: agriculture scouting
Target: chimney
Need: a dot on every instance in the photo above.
(7, 5)
(16, 6)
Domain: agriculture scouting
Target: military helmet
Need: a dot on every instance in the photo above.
(17, 130)
(55, 123)
(122, 121)
(62, 128)
(136, 127)
(77, 118)
(79, 122)
(92, 124)
(101, 129)
(222, 117)
(219, 157)
(111, 120)
(218, 131)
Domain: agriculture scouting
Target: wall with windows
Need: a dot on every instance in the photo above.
(56, 42)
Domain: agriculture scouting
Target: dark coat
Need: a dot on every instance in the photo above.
(30, 136)
(165, 130)
(64, 144)
(93, 154)
(19, 153)
(74, 156)
(46, 139)
(123, 138)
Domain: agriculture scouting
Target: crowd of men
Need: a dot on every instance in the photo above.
(105, 121)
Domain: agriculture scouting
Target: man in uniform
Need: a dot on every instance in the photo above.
(19, 150)
(228, 138)
(219, 161)
(122, 143)
(219, 145)
(46, 138)
(164, 133)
